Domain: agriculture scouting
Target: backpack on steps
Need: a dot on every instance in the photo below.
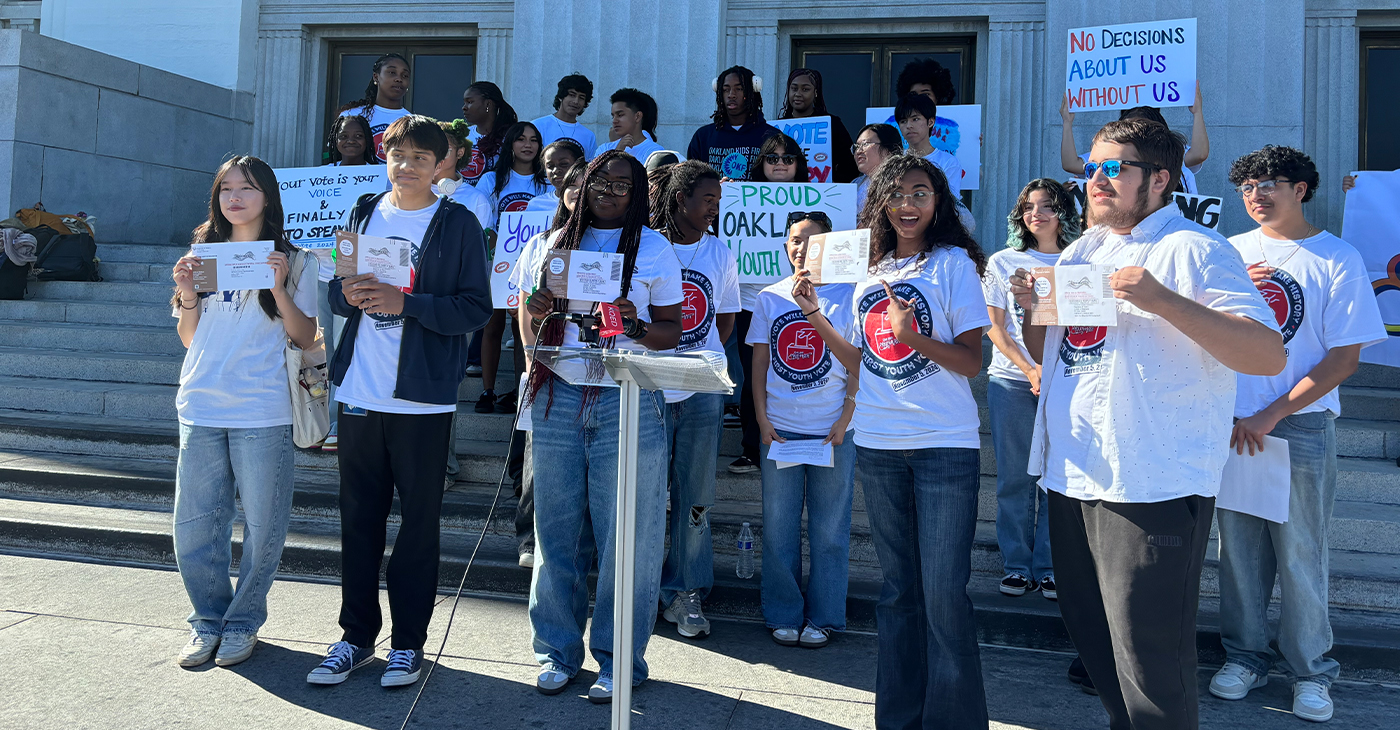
(64, 256)
(14, 279)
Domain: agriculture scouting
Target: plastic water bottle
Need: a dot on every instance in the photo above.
(745, 569)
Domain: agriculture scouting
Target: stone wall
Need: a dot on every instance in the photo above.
(132, 145)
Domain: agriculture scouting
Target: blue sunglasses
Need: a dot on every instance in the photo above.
(1111, 168)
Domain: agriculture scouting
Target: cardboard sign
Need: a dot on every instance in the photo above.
(753, 222)
(840, 257)
(232, 266)
(814, 135)
(590, 276)
(1368, 223)
(317, 200)
(1073, 296)
(1203, 209)
(1136, 64)
(514, 230)
(389, 259)
(957, 130)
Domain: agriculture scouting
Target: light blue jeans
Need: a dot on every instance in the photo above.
(214, 465)
(826, 491)
(1023, 518)
(574, 453)
(692, 431)
(1253, 550)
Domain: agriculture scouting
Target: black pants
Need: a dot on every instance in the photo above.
(518, 470)
(748, 416)
(378, 452)
(1129, 580)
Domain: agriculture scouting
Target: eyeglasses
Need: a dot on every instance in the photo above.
(620, 188)
(774, 159)
(798, 216)
(1111, 168)
(921, 199)
(1265, 187)
(860, 147)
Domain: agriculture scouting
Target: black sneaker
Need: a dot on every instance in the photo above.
(341, 659)
(731, 416)
(743, 465)
(486, 403)
(506, 403)
(1080, 676)
(1015, 584)
(404, 665)
(1047, 588)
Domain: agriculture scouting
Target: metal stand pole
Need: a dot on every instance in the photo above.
(625, 550)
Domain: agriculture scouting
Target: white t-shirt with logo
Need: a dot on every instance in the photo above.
(475, 201)
(952, 169)
(805, 384)
(548, 201)
(374, 369)
(641, 150)
(1322, 298)
(710, 287)
(553, 128)
(907, 401)
(996, 287)
(379, 120)
(235, 371)
(516, 194)
(476, 164)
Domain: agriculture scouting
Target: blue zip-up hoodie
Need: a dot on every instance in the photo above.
(732, 152)
(450, 298)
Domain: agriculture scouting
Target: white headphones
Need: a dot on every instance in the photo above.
(757, 85)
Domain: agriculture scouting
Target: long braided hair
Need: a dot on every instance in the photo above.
(490, 144)
(338, 126)
(753, 100)
(371, 96)
(679, 183)
(946, 231)
(818, 100)
(570, 237)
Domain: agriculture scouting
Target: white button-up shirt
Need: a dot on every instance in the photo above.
(1155, 424)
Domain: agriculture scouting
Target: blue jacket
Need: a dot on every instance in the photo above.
(450, 298)
(732, 152)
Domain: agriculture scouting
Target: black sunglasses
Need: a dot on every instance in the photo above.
(774, 159)
(798, 216)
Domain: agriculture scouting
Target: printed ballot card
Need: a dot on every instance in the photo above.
(389, 259)
(232, 266)
(792, 452)
(840, 257)
(590, 276)
(1073, 296)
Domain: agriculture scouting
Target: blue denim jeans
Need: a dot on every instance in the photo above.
(923, 516)
(1253, 550)
(692, 432)
(1023, 518)
(826, 492)
(213, 466)
(574, 453)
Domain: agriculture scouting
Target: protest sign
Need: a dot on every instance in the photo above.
(1137, 64)
(1368, 223)
(317, 200)
(957, 130)
(514, 230)
(753, 221)
(1203, 209)
(814, 135)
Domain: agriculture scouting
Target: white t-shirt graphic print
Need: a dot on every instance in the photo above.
(806, 384)
(996, 287)
(710, 287)
(515, 195)
(1322, 298)
(379, 120)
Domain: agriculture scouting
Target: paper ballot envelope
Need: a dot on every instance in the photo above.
(389, 259)
(232, 266)
(839, 257)
(1074, 296)
(590, 276)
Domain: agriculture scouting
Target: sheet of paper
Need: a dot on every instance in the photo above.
(1077, 295)
(839, 257)
(589, 276)
(389, 259)
(523, 421)
(800, 451)
(232, 266)
(1258, 485)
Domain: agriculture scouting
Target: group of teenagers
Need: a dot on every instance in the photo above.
(1110, 441)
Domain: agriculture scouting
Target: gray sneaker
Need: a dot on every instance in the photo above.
(552, 679)
(199, 650)
(235, 648)
(686, 614)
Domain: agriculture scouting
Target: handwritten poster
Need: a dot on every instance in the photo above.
(753, 221)
(1368, 223)
(1203, 209)
(1137, 64)
(514, 230)
(317, 200)
(814, 134)
(957, 130)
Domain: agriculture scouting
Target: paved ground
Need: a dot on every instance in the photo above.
(91, 646)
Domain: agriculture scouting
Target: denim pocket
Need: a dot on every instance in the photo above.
(1315, 421)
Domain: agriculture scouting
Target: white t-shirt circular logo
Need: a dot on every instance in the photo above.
(1042, 287)
(556, 266)
(347, 248)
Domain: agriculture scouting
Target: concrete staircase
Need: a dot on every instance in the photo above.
(88, 443)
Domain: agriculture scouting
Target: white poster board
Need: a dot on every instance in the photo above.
(1203, 209)
(1136, 64)
(1368, 223)
(317, 200)
(957, 130)
(814, 135)
(513, 231)
(753, 222)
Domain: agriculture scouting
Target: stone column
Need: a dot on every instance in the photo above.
(1330, 115)
(1013, 110)
(281, 105)
(756, 47)
(493, 59)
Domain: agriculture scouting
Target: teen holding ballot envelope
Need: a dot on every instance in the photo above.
(235, 407)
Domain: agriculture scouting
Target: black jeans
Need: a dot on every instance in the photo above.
(381, 451)
(519, 471)
(1129, 580)
(748, 416)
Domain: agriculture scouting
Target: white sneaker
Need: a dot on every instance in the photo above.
(235, 648)
(1311, 701)
(1234, 681)
(813, 637)
(786, 637)
(552, 679)
(199, 650)
(601, 691)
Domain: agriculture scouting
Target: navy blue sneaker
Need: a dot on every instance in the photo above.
(403, 668)
(341, 659)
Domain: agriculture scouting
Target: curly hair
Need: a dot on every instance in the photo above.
(926, 71)
(574, 82)
(1276, 161)
(789, 146)
(338, 126)
(946, 231)
(458, 133)
(1020, 238)
(671, 184)
(753, 100)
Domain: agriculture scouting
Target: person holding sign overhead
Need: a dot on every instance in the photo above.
(1196, 152)
(1133, 424)
(804, 99)
(575, 438)
(917, 333)
(235, 412)
(1319, 291)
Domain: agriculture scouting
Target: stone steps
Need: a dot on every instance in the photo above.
(112, 367)
(87, 312)
(140, 253)
(91, 338)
